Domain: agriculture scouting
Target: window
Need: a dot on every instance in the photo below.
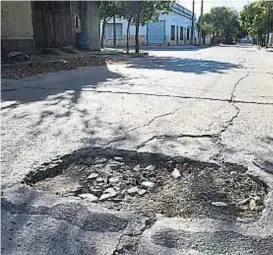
(109, 31)
(188, 33)
(76, 22)
(181, 33)
(172, 32)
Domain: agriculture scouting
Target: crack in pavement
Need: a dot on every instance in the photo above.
(119, 139)
(148, 94)
(217, 139)
(263, 168)
(147, 225)
(230, 122)
(216, 136)
(173, 137)
(236, 84)
(153, 119)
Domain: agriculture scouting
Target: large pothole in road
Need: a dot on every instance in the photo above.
(153, 184)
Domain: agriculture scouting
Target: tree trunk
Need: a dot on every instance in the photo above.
(4, 56)
(261, 40)
(114, 32)
(128, 35)
(103, 32)
(137, 37)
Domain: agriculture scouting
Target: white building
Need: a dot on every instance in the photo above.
(171, 29)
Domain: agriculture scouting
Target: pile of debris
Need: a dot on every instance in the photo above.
(165, 187)
(29, 68)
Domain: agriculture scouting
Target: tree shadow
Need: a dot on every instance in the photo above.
(41, 87)
(40, 222)
(183, 65)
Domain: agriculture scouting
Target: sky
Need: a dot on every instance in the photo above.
(236, 4)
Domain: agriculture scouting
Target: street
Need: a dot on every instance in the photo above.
(210, 105)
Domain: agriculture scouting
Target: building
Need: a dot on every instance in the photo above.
(121, 33)
(28, 25)
(171, 29)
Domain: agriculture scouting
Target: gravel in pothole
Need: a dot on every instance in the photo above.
(186, 190)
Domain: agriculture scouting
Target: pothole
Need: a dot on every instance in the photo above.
(154, 184)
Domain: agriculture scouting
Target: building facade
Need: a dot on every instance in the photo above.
(28, 25)
(173, 28)
(16, 26)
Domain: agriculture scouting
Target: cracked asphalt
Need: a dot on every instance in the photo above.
(211, 105)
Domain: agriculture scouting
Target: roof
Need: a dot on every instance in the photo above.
(178, 8)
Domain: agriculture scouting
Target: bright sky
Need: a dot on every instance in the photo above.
(208, 4)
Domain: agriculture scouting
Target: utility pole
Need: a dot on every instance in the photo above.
(268, 25)
(114, 32)
(201, 23)
(192, 24)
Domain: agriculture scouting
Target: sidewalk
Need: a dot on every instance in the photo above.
(151, 47)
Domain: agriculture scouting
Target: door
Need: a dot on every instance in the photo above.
(156, 32)
(58, 23)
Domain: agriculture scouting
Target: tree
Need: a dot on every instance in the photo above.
(139, 12)
(256, 19)
(107, 10)
(207, 25)
(4, 56)
(136, 12)
(127, 12)
(221, 21)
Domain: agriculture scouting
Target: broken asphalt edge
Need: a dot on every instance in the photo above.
(14, 199)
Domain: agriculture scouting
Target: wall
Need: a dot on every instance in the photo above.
(16, 26)
(76, 14)
(91, 23)
(176, 20)
(173, 18)
(122, 42)
(124, 22)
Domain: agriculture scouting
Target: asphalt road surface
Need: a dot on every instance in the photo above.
(211, 105)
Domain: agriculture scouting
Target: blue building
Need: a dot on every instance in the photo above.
(173, 28)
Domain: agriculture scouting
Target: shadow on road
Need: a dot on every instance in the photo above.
(185, 65)
(174, 48)
(33, 89)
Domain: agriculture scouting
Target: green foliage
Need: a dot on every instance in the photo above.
(221, 21)
(257, 18)
(140, 12)
(108, 9)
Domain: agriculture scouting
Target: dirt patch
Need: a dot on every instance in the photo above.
(52, 63)
(149, 186)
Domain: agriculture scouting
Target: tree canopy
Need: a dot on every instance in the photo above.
(221, 21)
(143, 11)
(257, 19)
(107, 9)
(139, 12)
